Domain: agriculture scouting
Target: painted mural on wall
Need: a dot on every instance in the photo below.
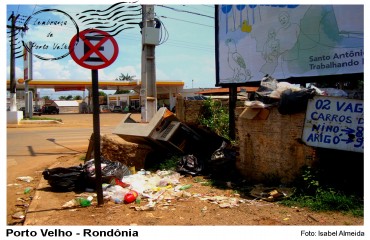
(288, 41)
(336, 123)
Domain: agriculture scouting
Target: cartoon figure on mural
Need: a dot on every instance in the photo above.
(288, 31)
(288, 37)
(236, 62)
(270, 53)
(281, 46)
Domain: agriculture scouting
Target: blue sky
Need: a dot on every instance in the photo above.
(188, 55)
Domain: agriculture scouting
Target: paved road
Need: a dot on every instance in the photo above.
(24, 142)
(40, 145)
(32, 148)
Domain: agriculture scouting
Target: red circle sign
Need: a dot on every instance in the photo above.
(93, 49)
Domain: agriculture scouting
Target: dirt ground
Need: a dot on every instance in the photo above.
(196, 207)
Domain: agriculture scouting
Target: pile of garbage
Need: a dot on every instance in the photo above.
(290, 98)
(147, 191)
(143, 190)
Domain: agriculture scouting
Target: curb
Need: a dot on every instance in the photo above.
(31, 123)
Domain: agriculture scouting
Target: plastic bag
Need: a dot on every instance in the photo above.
(65, 179)
(267, 86)
(189, 164)
(294, 102)
(109, 169)
(222, 155)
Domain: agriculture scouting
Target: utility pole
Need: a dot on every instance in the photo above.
(27, 57)
(148, 92)
(13, 88)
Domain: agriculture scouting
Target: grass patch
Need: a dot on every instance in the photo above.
(168, 163)
(328, 200)
(82, 158)
(44, 118)
(313, 195)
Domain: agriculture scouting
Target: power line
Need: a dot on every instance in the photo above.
(188, 21)
(201, 10)
(185, 11)
(210, 6)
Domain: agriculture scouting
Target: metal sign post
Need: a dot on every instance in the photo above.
(94, 49)
(96, 127)
(232, 104)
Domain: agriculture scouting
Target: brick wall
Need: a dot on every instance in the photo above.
(272, 148)
(188, 111)
(269, 149)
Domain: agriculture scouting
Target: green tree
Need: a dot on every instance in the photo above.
(78, 97)
(62, 98)
(46, 97)
(126, 77)
(69, 97)
(122, 91)
(101, 93)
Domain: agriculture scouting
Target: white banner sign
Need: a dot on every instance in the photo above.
(335, 123)
(288, 41)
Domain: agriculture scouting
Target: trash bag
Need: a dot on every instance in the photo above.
(189, 164)
(222, 163)
(109, 169)
(65, 179)
(222, 155)
(267, 85)
(295, 101)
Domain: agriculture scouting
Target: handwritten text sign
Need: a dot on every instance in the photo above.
(335, 123)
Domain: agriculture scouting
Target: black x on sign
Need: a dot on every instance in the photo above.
(93, 49)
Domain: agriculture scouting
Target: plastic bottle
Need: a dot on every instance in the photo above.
(83, 202)
(138, 199)
(186, 187)
(117, 197)
(27, 190)
(130, 196)
(142, 172)
(70, 203)
(116, 181)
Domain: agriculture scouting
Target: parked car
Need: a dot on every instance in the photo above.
(117, 109)
(50, 110)
(36, 111)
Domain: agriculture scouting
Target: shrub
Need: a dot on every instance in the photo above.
(215, 117)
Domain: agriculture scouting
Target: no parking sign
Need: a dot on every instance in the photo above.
(93, 49)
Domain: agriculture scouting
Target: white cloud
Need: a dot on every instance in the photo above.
(18, 72)
(50, 70)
